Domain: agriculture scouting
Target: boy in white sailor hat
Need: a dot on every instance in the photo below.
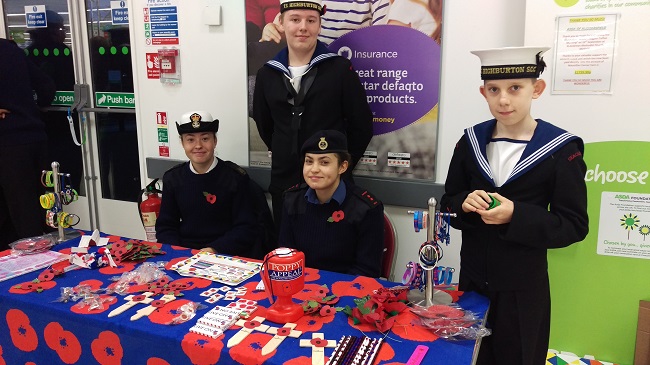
(517, 186)
(206, 202)
(303, 89)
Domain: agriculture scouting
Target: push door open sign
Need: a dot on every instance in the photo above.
(114, 100)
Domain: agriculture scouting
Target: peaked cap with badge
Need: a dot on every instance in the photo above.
(197, 122)
(302, 5)
(511, 62)
(325, 141)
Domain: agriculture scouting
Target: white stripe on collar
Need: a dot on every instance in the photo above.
(540, 153)
(476, 148)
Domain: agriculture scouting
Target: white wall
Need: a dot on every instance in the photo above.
(214, 78)
(598, 118)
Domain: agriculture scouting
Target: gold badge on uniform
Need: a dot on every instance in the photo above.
(322, 144)
(196, 120)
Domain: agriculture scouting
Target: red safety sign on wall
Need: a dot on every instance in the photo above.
(161, 118)
(163, 151)
(153, 66)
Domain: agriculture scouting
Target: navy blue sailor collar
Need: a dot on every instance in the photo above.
(281, 61)
(546, 139)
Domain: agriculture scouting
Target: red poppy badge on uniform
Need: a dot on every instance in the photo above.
(337, 216)
(211, 198)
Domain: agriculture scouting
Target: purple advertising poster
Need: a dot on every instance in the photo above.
(394, 46)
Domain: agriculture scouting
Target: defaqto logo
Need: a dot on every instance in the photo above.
(566, 3)
(604, 176)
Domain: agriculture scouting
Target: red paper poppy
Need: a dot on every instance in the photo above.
(327, 311)
(202, 350)
(156, 361)
(22, 333)
(284, 331)
(47, 275)
(249, 351)
(211, 198)
(63, 342)
(166, 314)
(112, 238)
(337, 216)
(138, 298)
(158, 303)
(31, 287)
(107, 349)
(318, 342)
(117, 245)
(358, 288)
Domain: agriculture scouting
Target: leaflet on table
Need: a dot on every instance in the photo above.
(12, 265)
(223, 269)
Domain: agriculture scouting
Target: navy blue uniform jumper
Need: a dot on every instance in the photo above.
(352, 245)
(207, 210)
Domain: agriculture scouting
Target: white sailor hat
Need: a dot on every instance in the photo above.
(197, 122)
(511, 62)
(300, 5)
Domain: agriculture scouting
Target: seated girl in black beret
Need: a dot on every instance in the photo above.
(339, 226)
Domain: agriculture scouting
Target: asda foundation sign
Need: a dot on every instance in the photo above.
(114, 100)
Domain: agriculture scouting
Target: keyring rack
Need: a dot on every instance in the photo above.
(428, 255)
(57, 206)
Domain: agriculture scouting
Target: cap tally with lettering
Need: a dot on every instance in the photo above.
(197, 122)
(326, 141)
(302, 5)
(511, 62)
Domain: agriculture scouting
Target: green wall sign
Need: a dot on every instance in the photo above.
(65, 98)
(114, 100)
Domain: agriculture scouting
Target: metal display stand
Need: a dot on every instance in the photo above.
(428, 259)
(63, 234)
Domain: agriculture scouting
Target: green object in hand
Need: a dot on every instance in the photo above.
(494, 203)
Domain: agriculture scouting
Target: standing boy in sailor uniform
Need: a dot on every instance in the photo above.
(206, 203)
(304, 89)
(536, 172)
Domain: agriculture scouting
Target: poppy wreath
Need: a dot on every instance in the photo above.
(378, 310)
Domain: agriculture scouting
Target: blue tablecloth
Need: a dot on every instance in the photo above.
(35, 329)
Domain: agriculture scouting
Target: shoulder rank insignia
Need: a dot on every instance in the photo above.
(368, 198)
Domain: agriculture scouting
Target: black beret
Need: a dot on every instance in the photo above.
(327, 141)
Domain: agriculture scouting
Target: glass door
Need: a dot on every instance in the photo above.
(85, 48)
